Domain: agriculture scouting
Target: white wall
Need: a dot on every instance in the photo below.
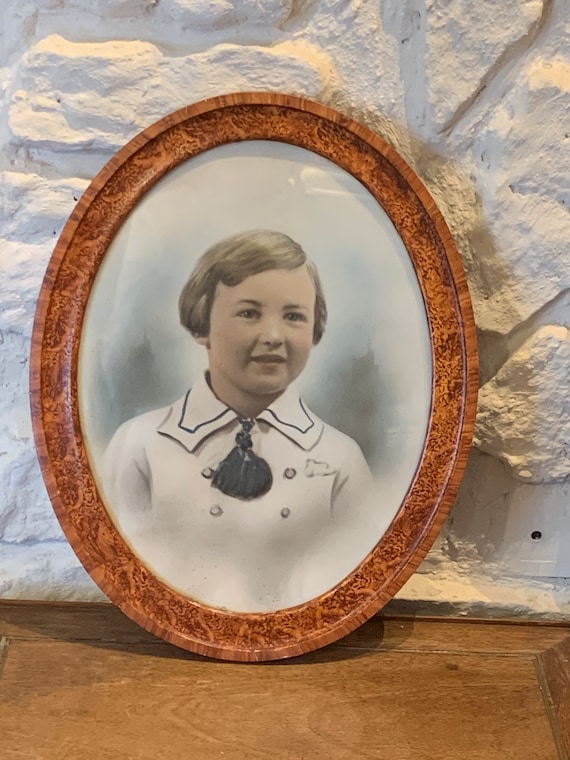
(476, 96)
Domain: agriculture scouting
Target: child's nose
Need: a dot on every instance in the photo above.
(271, 332)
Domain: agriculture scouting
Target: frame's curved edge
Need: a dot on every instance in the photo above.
(318, 636)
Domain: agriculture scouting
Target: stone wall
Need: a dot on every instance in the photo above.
(476, 96)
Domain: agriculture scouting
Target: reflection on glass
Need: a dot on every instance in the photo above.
(253, 460)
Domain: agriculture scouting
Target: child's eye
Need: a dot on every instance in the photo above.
(248, 313)
(295, 316)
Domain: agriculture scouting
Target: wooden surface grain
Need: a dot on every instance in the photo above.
(56, 343)
(555, 663)
(87, 683)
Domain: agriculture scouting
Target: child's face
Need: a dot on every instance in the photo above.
(261, 335)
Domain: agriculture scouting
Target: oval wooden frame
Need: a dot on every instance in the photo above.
(54, 365)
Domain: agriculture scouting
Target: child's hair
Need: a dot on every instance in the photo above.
(232, 260)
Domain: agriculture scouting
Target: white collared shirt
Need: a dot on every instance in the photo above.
(313, 527)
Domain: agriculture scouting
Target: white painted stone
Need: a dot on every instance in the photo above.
(49, 570)
(556, 41)
(25, 511)
(26, 514)
(463, 42)
(287, 67)
(542, 91)
(478, 566)
(5, 77)
(178, 27)
(218, 14)
(489, 530)
(34, 209)
(537, 529)
(405, 69)
(456, 592)
(516, 147)
(473, 534)
(33, 213)
(80, 95)
(365, 52)
(526, 262)
(22, 267)
(524, 410)
(349, 34)
(76, 96)
(503, 247)
(522, 160)
(180, 15)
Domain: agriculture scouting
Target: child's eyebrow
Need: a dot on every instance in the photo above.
(259, 305)
(250, 301)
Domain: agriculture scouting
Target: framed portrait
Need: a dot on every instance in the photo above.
(253, 376)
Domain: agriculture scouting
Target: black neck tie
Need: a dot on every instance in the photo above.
(242, 474)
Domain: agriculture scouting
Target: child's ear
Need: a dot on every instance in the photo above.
(202, 340)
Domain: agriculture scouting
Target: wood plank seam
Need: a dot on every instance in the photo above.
(455, 652)
(550, 706)
(556, 664)
(454, 620)
(139, 643)
(3, 653)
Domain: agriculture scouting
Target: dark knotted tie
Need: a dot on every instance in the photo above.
(242, 473)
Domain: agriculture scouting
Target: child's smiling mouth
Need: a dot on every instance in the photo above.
(269, 359)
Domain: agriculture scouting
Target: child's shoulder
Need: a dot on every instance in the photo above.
(338, 443)
(145, 423)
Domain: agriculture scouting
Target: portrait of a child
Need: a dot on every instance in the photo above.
(237, 494)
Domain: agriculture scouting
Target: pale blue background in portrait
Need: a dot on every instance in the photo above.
(371, 374)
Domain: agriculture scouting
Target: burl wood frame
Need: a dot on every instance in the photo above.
(114, 192)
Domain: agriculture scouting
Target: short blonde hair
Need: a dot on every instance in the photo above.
(231, 261)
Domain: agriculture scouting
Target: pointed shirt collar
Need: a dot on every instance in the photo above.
(200, 413)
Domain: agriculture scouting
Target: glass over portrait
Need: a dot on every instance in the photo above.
(255, 376)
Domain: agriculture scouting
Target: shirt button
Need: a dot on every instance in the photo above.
(207, 472)
(285, 512)
(290, 473)
(216, 510)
